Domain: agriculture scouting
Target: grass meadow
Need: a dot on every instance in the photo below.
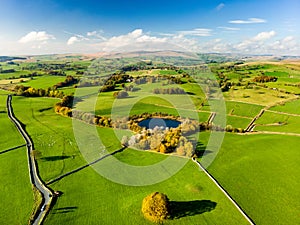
(260, 172)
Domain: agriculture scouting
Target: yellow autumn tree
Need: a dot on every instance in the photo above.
(155, 207)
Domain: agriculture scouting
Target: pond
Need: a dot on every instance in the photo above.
(158, 122)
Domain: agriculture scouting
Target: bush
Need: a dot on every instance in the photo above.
(120, 94)
(155, 207)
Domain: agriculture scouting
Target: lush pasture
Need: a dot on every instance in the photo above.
(242, 109)
(292, 107)
(52, 135)
(237, 122)
(138, 102)
(256, 95)
(260, 172)
(16, 192)
(278, 122)
(15, 74)
(101, 201)
(44, 81)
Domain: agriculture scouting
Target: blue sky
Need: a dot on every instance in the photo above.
(53, 26)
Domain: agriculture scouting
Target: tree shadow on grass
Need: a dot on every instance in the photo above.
(201, 150)
(45, 109)
(55, 158)
(65, 210)
(190, 208)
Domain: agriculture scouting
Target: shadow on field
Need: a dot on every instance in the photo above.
(65, 209)
(190, 208)
(45, 109)
(55, 158)
(200, 150)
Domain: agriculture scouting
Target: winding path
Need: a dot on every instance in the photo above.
(33, 174)
(225, 192)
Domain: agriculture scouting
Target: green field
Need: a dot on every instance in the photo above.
(44, 81)
(101, 201)
(58, 157)
(242, 109)
(260, 172)
(292, 107)
(278, 122)
(16, 192)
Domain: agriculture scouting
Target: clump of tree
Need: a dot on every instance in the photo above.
(107, 87)
(155, 207)
(120, 94)
(56, 73)
(21, 90)
(177, 91)
(162, 140)
(90, 118)
(264, 79)
(69, 81)
(64, 107)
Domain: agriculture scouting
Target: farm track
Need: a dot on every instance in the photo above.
(33, 173)
(225, 192)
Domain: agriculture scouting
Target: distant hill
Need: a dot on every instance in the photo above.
(9, 58)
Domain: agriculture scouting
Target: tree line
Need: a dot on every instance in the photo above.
(177, 91)
(69, 81)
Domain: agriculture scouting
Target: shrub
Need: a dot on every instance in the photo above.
(155, 207)
(120, 94)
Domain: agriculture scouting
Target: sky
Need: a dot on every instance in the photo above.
(76, 26)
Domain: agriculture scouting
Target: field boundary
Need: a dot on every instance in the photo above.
(84, 166)
(225, 192)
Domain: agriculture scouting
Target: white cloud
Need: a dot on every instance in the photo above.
(229, 28)
(287, 45)
(36, 36)
(201, 32)
(257, 44)
(91, 33)
(96, 34)
(72, 40)
(249, 21)
(264, 36)
(220, 6)
(131, 41)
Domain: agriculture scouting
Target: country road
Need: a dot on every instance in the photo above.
(34, 177)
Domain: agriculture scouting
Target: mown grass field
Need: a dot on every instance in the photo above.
(260, 172)
(16, 192)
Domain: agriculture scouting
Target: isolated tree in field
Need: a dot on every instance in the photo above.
(155, 207)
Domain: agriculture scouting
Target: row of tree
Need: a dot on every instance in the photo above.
(21, 90)
(264, 79)
(177, 91)
(69, 81)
